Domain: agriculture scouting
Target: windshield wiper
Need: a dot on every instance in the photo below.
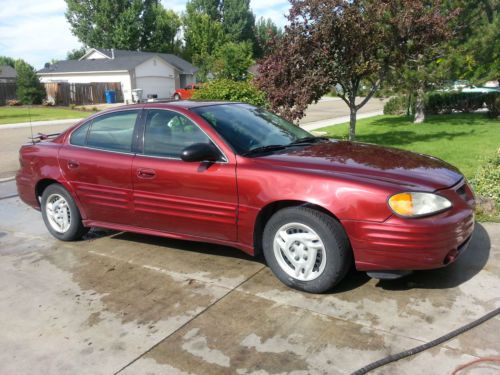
(309, 140)
(262, 149)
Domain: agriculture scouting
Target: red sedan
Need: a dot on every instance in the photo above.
(237, 175)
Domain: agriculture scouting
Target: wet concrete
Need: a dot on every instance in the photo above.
(133, 304)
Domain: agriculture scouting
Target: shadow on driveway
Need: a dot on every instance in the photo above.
(467, 266)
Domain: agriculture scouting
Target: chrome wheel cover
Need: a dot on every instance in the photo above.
(299, 251)
(58, 213)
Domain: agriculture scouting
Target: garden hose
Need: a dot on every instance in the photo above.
(428, 345)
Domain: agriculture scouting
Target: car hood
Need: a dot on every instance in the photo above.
(386, 164)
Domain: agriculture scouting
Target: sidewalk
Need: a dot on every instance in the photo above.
(69, 121)
(337, 120)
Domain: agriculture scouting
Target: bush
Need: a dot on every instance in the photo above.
(29, 88)
(486, 184)
(493, 104)
(398, 105)
(395, 106)
(233, 91)
(448, 102)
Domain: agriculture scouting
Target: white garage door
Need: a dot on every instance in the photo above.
(163, 87)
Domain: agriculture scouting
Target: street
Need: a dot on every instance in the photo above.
(12, 138)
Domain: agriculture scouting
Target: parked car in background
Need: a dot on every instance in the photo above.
(185, 93)
(240, 176)
(483, 90)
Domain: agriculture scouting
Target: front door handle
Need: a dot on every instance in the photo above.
(72, 164)
(146, 173)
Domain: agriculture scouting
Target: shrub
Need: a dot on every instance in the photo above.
(493, 104)
(486, 184)
(29, 88)
(233, 91)
(395, 106)
(448, 102)
(398, 105)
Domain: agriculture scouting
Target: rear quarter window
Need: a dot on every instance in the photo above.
(79, 136)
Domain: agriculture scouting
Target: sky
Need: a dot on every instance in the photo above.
(37, 31)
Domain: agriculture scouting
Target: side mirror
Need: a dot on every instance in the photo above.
(200, 152)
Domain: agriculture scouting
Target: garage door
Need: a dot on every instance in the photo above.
(163, 87)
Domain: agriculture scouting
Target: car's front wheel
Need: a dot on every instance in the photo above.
(177, 97)
(61, 215)
(306, 249)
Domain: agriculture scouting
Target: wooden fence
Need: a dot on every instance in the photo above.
(7, 91)
(64, 93)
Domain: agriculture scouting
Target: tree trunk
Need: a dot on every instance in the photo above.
(408, 104)
(419, 106)
(352, 123)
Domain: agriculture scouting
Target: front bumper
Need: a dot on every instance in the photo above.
(414, 244)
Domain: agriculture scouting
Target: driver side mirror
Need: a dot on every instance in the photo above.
(200, 152)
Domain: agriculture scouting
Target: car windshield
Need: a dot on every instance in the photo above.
(247, 128)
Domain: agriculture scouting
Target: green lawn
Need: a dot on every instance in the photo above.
(464, 140)
(12, 115)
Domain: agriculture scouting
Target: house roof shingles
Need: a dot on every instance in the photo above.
(7, 71)
(123, 60)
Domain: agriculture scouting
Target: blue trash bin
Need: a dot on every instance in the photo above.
(110, 96)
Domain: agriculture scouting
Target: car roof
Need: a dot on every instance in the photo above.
(170, 104)
(187, 104)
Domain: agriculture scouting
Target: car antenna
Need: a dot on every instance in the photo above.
(31, 125)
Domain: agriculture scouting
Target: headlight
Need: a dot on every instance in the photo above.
(413, 204)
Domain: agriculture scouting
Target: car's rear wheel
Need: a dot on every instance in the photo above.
(61, 215)
(306, 249)
(177, 97)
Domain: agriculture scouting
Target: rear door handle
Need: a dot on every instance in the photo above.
(73, 164)
(146, 173)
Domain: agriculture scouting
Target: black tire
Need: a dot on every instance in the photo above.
(177, 97)
(336, 245)
(76, 229)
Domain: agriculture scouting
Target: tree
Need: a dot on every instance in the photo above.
(76, 53)
(164, 32)
(106, 23)
(29, 88)
(232, 60)
(122, 24)
(344, 43)
(238, 20)
(212, 8)
(265, 31)
(203, 33)
(474, 52)
(5, 60)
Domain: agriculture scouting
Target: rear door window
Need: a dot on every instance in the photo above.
(113, 132)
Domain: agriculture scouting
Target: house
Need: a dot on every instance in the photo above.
(7, 74)
(157, 74)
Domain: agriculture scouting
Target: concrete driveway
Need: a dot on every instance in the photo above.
(133, 304)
